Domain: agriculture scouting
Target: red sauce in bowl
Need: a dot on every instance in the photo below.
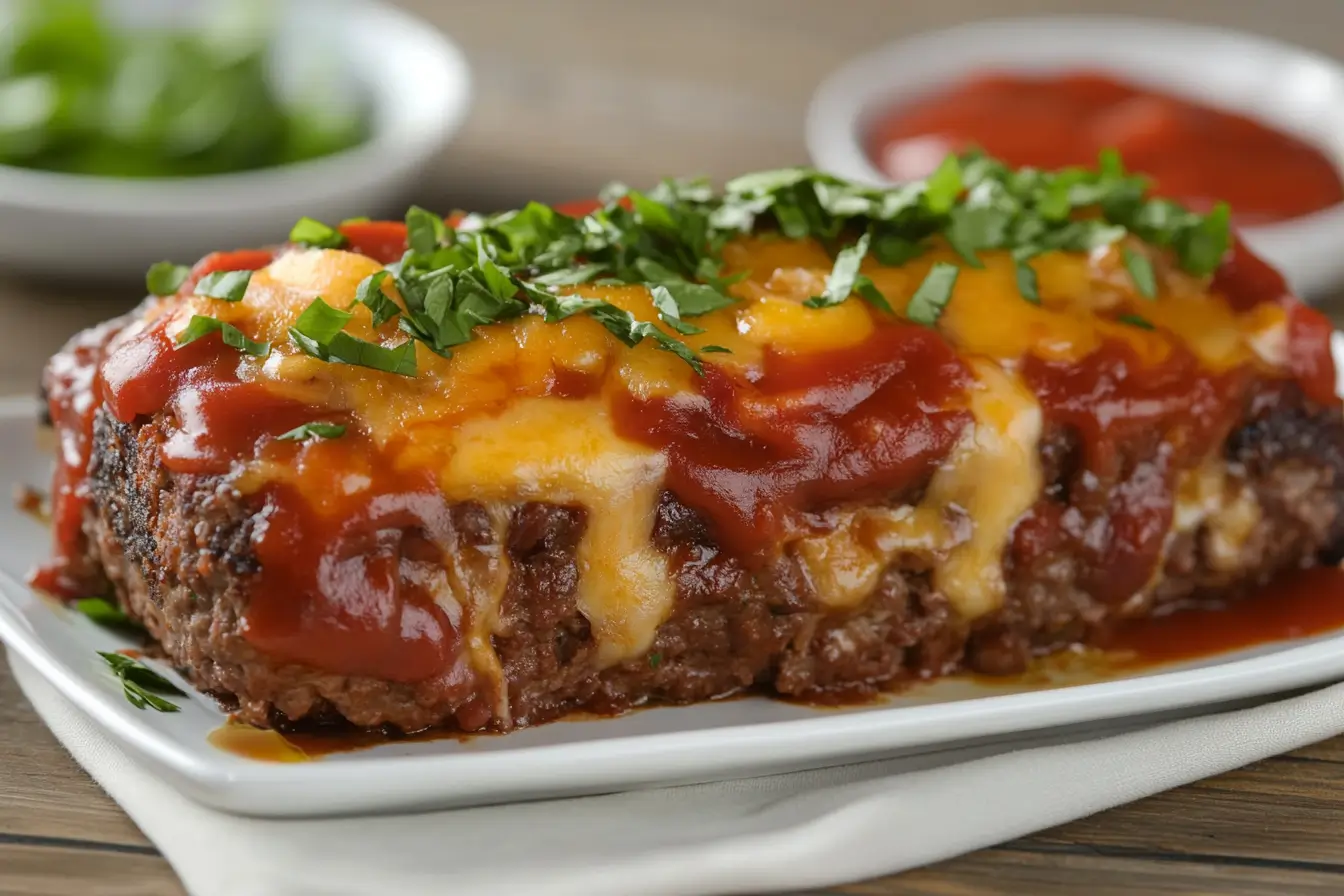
(1194, 153)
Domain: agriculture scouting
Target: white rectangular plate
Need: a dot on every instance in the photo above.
(678, 745)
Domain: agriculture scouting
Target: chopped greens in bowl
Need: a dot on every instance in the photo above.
(80, 94)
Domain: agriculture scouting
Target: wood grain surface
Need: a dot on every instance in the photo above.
(570, 95)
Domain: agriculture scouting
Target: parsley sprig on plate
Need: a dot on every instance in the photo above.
(141, 685)
(488, 269)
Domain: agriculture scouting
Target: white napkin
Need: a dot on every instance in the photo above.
(785, 832)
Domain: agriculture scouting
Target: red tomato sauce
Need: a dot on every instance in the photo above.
(1194, 153)
(813, 431)
(1297, 604)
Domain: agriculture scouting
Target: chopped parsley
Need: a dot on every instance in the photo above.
(932, 296)
(165, 278)
(370, 294)
(313, 430)
(229, 286)
(140, 684)
(1135, 320)
(315, 234)
(201, 326)
(1140, 271)
(1026, 282)
(105, 612)
(319, 332)
(478, 270)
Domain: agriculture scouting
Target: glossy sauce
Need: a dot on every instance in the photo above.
(1298, 604)
(812, 431)
(1111, 399)
(269, 745)
(1195, 153)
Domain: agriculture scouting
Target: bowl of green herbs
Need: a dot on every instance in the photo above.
(135, 130)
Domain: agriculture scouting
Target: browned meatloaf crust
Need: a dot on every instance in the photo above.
(177, 548)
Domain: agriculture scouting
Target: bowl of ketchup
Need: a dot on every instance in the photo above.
(1209, 115)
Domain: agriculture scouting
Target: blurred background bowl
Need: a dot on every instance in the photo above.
(1285, 87)
(417, 86)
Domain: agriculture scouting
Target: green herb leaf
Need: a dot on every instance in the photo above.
(165, 278)
(623, 325)
(370, 294)
(312, 430)
(570, 276)
(140, 684)
(869, 292)
(694, 299)
(105, 612)
(715, 349)
(315, 234)
(1135, 320)
(1202, 246)
(840, 282)
(668, 312)
(942, 188)
(318, 332)
(1140, 271)
(652, 214)
(201, 326)
(228, 286)
(763, 182)
(971, 229)
(933, 294)
(1026, 282)
(894, 250)
(320, 322)
(425, 231)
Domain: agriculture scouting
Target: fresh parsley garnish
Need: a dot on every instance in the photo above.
(313, 430)
(201, 326)
(105, 612)
(1140, 271)
(228, 286)
(933, 294)
(165, 278)
(370, 294)
(140, 684)
(485, 269)
(1026, 282)
(315, 234)
(843, 275)
(1135, 320)
(319, 332)
(425, 231)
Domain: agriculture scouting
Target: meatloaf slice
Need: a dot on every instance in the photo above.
(178, 551)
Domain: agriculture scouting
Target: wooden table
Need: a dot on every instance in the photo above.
(570, 95)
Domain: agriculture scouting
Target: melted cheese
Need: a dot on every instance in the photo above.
(562, 451)
(1223, 506)
(478, 576)
(992, 478)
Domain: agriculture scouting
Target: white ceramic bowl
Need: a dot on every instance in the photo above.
(417, 82)
(1285, 87)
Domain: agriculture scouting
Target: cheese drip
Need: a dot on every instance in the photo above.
(565, 451)
(962, 525)
(478, 576)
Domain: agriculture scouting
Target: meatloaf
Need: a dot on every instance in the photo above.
(678, 445)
